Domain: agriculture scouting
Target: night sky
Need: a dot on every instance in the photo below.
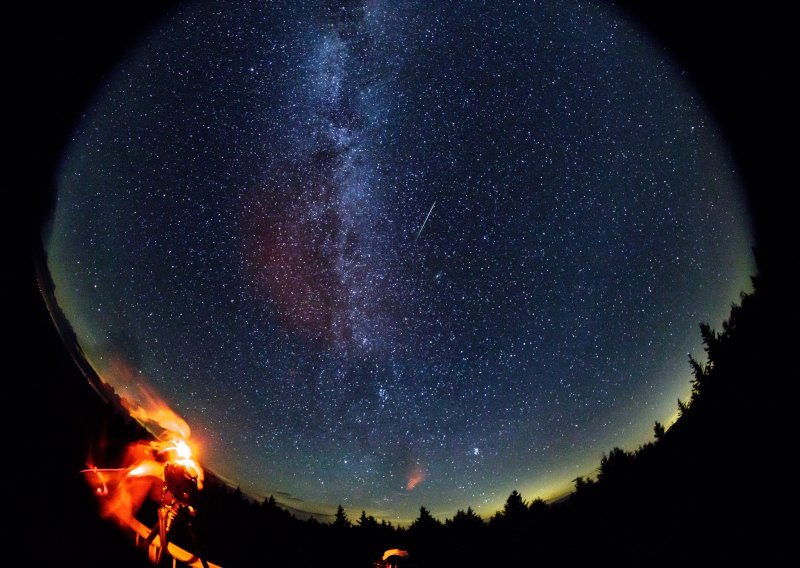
(392, 254)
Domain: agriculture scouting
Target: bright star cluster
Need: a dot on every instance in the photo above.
(392, 254)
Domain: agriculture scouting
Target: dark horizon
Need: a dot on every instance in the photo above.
(675, 485)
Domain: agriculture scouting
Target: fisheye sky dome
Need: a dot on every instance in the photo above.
(393, 254)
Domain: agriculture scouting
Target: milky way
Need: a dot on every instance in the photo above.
(392, 254)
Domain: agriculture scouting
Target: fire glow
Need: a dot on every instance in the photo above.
(123, 488)
(163, 469)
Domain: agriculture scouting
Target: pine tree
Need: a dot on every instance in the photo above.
(341, 521)
(658, 430)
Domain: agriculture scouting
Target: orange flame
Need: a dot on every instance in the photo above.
(394, 552)
(152, 411)
(123, 489)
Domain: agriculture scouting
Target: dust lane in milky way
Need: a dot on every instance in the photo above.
(399, 254)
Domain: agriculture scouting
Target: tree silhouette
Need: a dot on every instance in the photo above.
(683, 408)
(583, 483)
(366, 522)
(539, 506)
(700, 375)
(515, 509)
(658, 430)
(515, 505)
(615, 464)
(425, 523)
(465, 521)
(341, 521)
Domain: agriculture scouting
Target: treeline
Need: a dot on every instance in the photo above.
(703, 490)
(698, 491)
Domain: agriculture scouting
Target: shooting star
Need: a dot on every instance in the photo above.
(425, 221)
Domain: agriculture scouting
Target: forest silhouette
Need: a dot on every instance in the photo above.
(697, 492)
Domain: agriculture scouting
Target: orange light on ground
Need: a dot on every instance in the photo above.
(394, 552)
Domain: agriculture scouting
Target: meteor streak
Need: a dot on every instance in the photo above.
(425, 221)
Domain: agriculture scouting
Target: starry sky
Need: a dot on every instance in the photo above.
(392, 254)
